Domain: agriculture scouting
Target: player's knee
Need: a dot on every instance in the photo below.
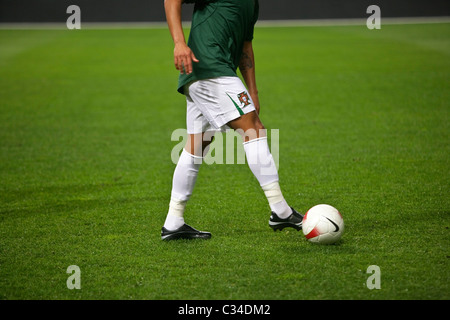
(206, 143)
(259, 126)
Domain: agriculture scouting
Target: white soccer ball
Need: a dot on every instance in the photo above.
(323, 224)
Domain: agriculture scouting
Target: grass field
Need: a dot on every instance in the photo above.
(85, 168)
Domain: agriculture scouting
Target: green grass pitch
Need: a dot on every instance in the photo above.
(85, 168)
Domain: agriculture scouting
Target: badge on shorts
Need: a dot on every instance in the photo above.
(244, 99)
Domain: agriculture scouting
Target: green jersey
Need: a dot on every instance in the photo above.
(219, 29)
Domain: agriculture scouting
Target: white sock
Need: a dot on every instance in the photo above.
(263, 166)
(260, 161)
(183, 182)
(175, 218)
(173, 222)
(276, 200)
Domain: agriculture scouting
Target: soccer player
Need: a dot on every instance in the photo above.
(220, 41)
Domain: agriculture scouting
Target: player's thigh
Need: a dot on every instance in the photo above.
(221, 100)
(249, 126)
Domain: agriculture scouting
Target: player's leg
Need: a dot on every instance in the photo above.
(183, 182)
(263, 166)
(184, 177)
(225, 101)
(197, 144)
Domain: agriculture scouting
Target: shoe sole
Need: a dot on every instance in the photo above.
(281, 225)
(177, 236)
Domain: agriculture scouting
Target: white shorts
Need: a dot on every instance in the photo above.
(212, 103)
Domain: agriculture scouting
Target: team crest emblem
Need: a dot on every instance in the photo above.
(244, 99)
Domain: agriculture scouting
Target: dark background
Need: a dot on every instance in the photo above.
(153, 10)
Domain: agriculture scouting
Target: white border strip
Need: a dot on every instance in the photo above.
(85, 25)
(261, 23)
(350, 22)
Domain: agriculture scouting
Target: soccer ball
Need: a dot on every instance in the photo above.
(323, 224)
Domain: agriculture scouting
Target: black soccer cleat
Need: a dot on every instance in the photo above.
(294, 221)
(184, 232)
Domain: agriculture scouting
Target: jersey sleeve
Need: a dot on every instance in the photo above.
(249, 35)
